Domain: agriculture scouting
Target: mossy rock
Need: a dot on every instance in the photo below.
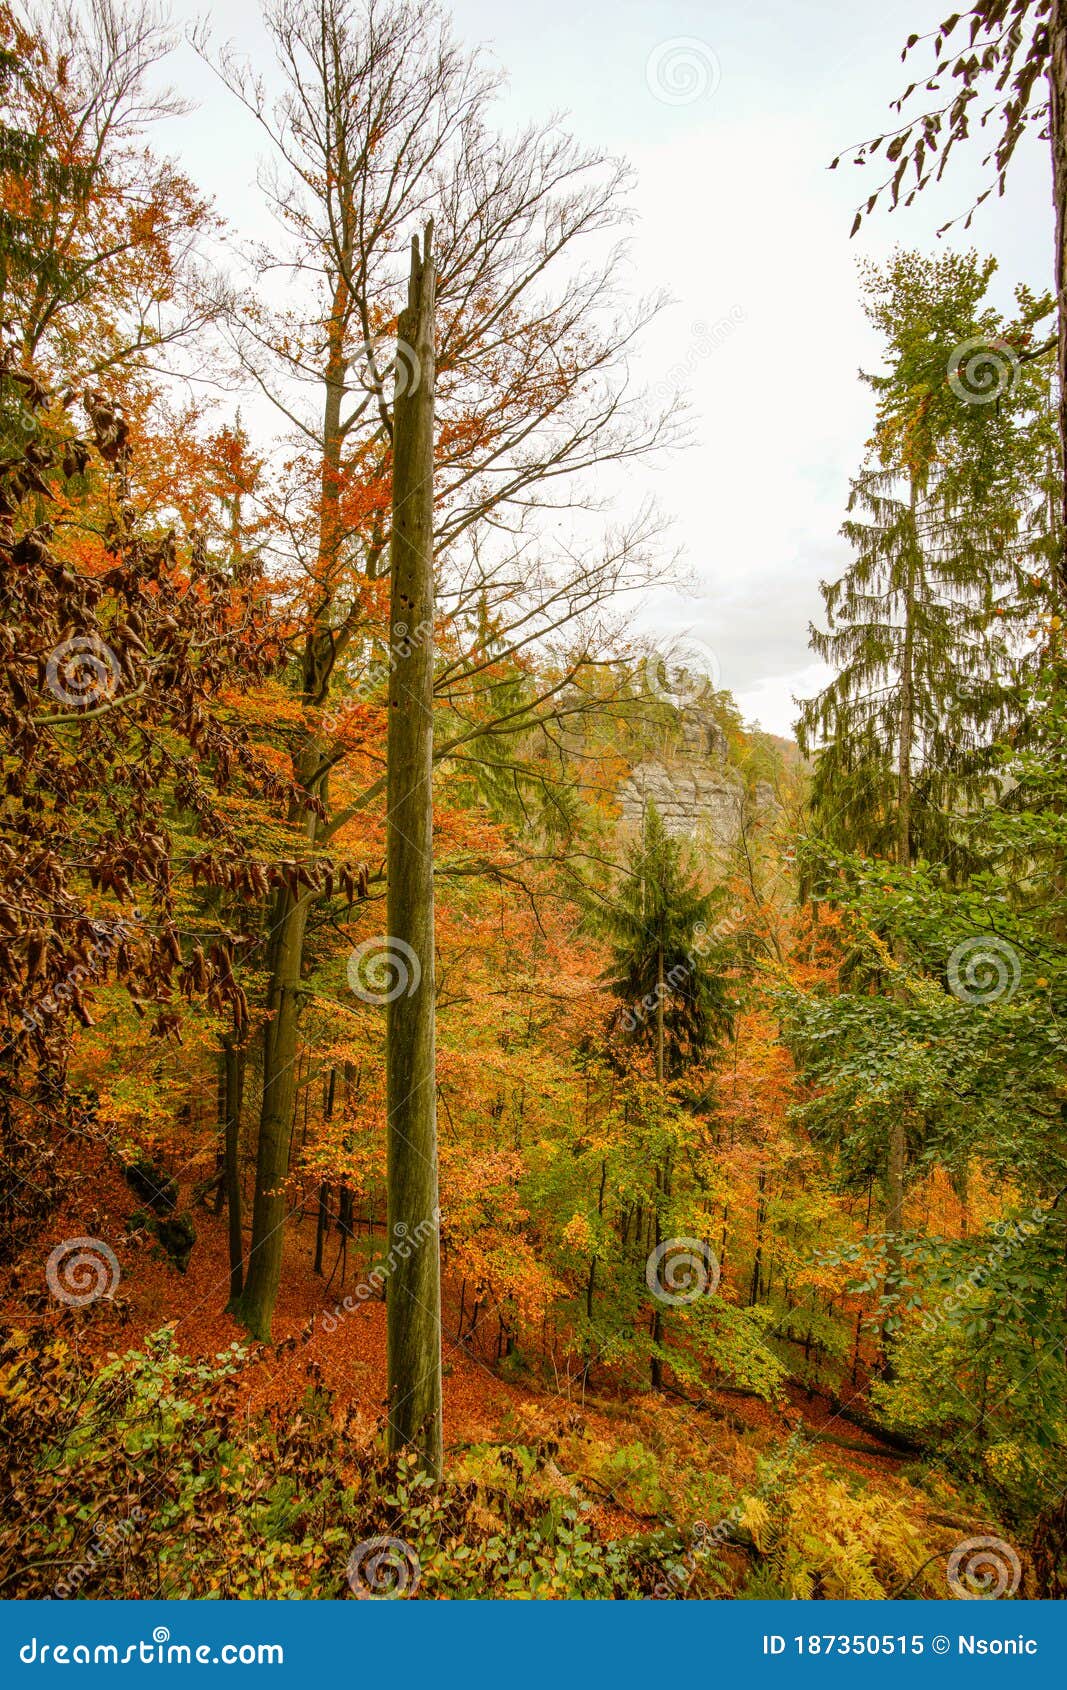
(177, 1234)
(153, 1183)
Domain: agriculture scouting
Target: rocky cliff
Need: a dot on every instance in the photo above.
(696, 791)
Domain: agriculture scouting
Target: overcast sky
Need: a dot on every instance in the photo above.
(730, 115)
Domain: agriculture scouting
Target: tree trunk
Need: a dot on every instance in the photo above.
(1057, 79)
(897, 1125)
(414, 1286)
(907, 695)
(280, 1036)
(322, 1222)
(234, 1071)
(657, 1310)
(757, 1260)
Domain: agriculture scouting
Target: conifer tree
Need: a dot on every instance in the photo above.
(922, 626)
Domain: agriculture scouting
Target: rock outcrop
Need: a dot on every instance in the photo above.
(694, 789)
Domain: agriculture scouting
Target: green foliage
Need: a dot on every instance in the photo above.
(141, 1479)
(659, 928)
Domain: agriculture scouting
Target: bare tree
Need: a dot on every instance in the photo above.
(382, 122)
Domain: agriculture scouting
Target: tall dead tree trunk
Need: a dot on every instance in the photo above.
(414, 1286)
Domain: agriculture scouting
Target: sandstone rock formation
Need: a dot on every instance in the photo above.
(695, 790)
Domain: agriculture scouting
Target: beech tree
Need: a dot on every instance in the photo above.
(382, 120)
(117, 643)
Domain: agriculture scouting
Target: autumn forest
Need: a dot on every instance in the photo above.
(481, 1117)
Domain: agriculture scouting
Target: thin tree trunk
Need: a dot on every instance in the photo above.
(757, 1260)
(322, 1223)
(234, 1073)
(1057, 79)
(897, 1126)
(657, 1310)
(414, 1287)
(255, 1307)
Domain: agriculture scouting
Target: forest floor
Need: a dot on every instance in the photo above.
(725, 1433)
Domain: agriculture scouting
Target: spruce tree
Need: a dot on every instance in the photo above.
(923, 626)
